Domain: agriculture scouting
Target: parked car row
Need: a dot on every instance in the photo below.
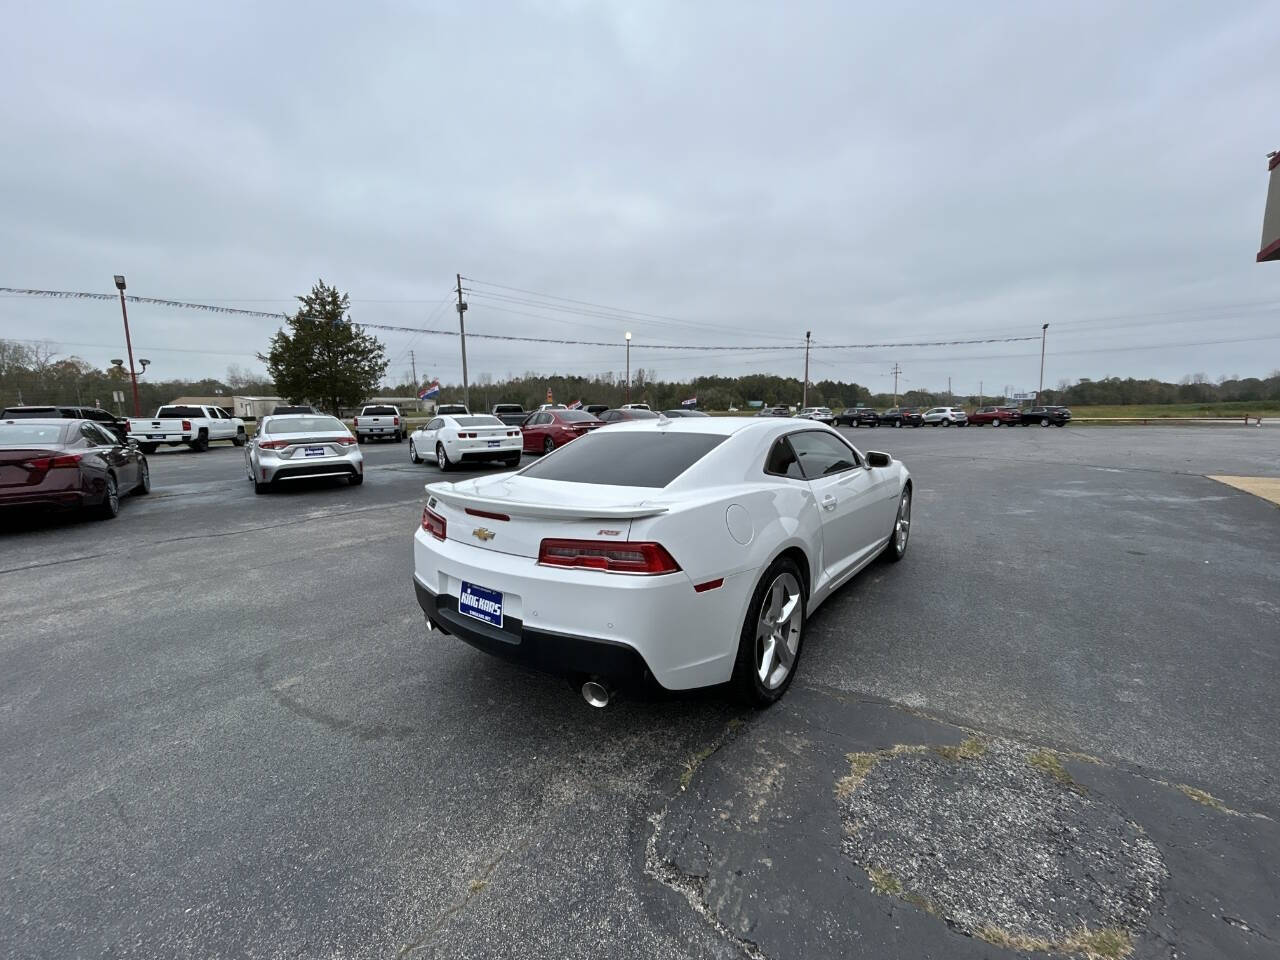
(1045, 416)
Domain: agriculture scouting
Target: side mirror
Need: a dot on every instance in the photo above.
(877, 459)
(131, 441)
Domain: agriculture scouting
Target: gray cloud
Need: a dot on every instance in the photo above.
(868, 174)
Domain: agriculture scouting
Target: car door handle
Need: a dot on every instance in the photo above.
(828, 502)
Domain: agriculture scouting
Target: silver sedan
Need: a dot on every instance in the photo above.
(302, 446)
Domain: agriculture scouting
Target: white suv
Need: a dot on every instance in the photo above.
(946, 416)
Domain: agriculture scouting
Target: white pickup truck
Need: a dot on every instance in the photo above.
(197, 427)
(378, 420)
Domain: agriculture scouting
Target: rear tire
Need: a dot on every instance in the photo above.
(109, 509)
(259, 487)
(1044, 421)
(148, 448)
(240, 438)
(201, 443)
(355, 479)
(782, 576)
(548, 445)
(400, 437)
(513, 461)
(442, 458)
(995, 423)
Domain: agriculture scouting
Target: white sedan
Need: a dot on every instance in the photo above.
(465, 438)
(688, 550)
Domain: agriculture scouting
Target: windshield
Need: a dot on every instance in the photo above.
(626, 458)
(23, 434)
(305, 425)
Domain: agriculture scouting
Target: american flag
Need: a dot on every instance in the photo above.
(576, 405)
(691, 402)
(433, 390)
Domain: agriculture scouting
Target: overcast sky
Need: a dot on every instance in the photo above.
(757, 170)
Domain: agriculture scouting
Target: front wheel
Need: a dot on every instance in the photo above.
(1044, 422)
(442, 458)
(144, 479)
(897, 548)
(414, 457)
(898, 424)
(995, 423)
(772, 636)
(946, 423)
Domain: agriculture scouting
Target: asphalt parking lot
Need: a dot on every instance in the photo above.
(225, 731)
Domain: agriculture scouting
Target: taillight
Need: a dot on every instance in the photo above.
(513, 433)
(433, 523)
(274, 444)
(649, 559)
(345, 441)
(395, 421)
(355, 421)
(51, 463)
(186, 424)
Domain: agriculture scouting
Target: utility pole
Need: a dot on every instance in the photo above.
(1044, 332)
(804, 391)
(128, 343)
(413, 365)
(628, 338)
(895, 371)
(462, 329)
(979, 393)
(949, 396)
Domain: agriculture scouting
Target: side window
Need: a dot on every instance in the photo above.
(87, 432)
(543, 419)
(108, 439)
(821, 454)
(436, 424)
(782, 461)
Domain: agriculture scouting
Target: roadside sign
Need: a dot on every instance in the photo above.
(1022, 396)
(117, 396)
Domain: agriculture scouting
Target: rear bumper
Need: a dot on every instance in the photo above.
(271, 469)
(584, 621)
(549, 652)
(53, 500)
(377, 431)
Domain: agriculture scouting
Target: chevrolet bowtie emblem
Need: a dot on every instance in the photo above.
(480, 533)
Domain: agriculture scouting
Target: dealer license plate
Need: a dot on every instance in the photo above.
(495, 443)
(313, 451)
(155, 436)
(481, 603)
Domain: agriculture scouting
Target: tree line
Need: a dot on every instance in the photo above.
(321, 357)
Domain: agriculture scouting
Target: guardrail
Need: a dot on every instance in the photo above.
(1246, 421)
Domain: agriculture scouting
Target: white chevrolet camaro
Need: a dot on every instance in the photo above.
(687, 550)
(465, 438)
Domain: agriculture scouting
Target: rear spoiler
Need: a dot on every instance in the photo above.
(446, 493)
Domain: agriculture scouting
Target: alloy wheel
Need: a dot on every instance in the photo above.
(902, 527)
(778, 630)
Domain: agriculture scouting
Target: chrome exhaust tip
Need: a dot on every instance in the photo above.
(596, 693)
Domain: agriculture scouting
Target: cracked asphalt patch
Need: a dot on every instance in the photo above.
(1003, 851)
(891, 834)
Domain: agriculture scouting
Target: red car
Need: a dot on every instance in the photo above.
(69, 464)
(996, 416)
(548, 429)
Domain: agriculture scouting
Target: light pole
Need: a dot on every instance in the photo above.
(1044, 332)
(462, 333)
(628, 337)
(804, 390)
(128, 343)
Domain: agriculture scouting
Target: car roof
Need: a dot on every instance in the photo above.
(721, 426)
(44, 421)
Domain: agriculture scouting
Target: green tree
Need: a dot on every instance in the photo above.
(324, 358)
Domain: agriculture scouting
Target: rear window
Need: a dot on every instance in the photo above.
(637, 414)
(179, 412)
(479, 421)
(19, 413)
(379, 412)
(508, 408)
(573, 416)
(21, 434)
(626, 459)
(306, 425)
